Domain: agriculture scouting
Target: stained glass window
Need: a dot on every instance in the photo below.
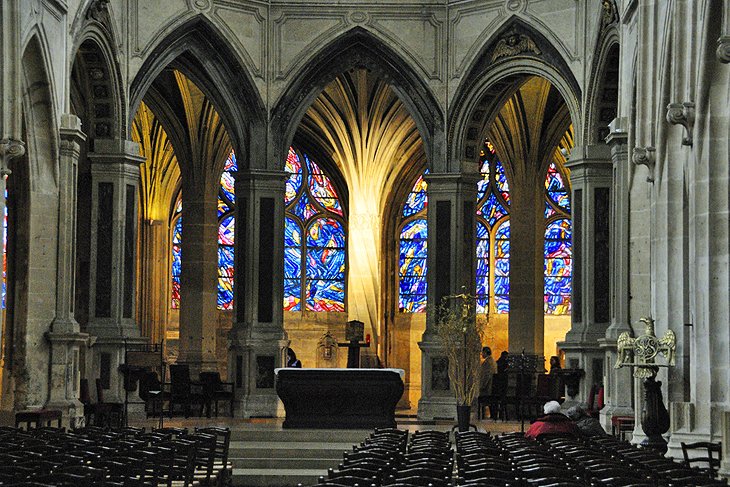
(493, 235)
(226, 232)
(412, 250)
(176, 255)
(558, 248)
(314, 265)
(5, 251)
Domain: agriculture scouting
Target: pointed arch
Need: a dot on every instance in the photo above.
(495, 76)
(198, 50)
(602, 90)
(94, 46)
(356, 48)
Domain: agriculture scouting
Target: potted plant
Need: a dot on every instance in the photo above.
(460, 333)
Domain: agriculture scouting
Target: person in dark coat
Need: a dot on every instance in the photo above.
(587, 425)
(292, 360)
(554, 422)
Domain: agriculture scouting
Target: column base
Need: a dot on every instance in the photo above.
(72, 412)
(436, 407)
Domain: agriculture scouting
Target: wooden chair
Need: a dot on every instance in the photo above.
(215, 390)
(709, 453)
(183, 391)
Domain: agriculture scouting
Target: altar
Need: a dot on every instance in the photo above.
(339, 398)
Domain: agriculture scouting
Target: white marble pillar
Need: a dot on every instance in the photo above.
(451, 270)
(258, 340)
(65, 335)
(115, 180)
(590, 178)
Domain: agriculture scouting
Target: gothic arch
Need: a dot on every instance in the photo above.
(357, 48)
(201, 53)
(96, 58)
(512, 54)
(602, 88)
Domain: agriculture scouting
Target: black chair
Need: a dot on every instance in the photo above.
(183, 391)
(215, 390)
(107, 414)
(710, 454)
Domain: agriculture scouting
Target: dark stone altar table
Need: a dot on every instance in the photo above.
(339, 398)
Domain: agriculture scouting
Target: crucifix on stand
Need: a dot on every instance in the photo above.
(354, 334)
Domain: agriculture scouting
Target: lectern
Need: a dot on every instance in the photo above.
(354, 334)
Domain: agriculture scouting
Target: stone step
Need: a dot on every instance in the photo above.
(327, 436)
(255, 477)
(275, 462)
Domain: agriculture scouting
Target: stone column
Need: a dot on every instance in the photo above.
(526, 273)
(65, 335)
(451, 270)
(590, 178)
(115, 179)
(258, 341)
(198, 282)
(618, 382)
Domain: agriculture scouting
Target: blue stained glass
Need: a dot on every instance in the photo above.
(560, 199)
(324, 250)
(303, 208)
(326, 232)
(492, 209)
(502, 304)
(557, 248)
(292, 294)
(225, 261)
(412, 267)
(482, 267)
(502, 249)
(549, 210)
(408, 303)
(501, 180)
(482, 285)
(225, 293)
(231, 164)
(482, 231)
(501, 285)
(292, 233)
(501, 267)
(558, 230)
(558, 267)
(228, 184)
(226, 231)
(417, 229)
(482, 305)
(223, 208)
(323, 295)
(293, 182)
(557, 304)
(326, 263)
(412, 249)
(557, 285)
(503, 231)
(482, 186)
(292, 262)
(417, 199)
(413, 285)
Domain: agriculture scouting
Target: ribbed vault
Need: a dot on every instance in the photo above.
(373, 140)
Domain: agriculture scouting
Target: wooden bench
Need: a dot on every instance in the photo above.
(620, 425)
(41, 417)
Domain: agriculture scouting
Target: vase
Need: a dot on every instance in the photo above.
(463, 415)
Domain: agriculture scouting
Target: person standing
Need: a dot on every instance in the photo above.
(292, 360)
(488, 369)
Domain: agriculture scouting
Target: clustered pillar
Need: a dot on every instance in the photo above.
(258, 341)
(451, 270)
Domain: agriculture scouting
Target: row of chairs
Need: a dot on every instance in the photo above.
(128, 457)
(387, 458)
(560, 461)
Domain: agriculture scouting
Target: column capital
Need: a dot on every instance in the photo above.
(617, 134)
(645, 156)
(723, 49)
(71, 135)
(9, 149)
(682, 114)
(116, 151)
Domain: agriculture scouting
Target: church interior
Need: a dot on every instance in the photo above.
(216, 182)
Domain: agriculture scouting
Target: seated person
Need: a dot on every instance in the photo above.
(587, 425)
(554, 422)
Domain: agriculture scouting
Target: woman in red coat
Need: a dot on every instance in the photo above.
(554, 422)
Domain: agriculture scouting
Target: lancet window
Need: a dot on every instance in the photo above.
(176, 267)
(413, 250)
(226, 232)
(314, 239)
(558, 247)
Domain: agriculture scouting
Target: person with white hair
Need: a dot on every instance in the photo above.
(554, 422)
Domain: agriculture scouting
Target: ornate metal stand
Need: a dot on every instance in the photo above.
(645, 348)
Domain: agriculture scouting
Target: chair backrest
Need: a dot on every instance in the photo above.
(180, 379)
(211, 382)
(84, 395)
(709, 453)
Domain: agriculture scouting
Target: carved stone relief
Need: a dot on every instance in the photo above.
(682, 114)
